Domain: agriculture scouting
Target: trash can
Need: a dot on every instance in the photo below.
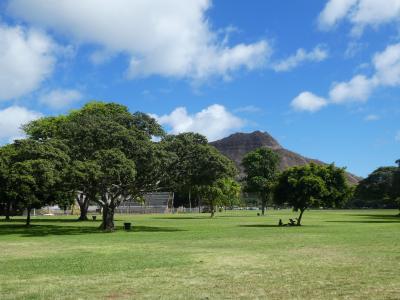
(127, 226)
(94, 218)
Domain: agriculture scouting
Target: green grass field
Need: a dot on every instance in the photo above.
(237, 255)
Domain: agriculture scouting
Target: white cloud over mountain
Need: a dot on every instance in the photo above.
(360, 13)
(161, 37)
(214, 121)
(26, 59)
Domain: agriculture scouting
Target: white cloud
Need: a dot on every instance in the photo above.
(214, 122)
(387, 65)
(161, 37)
(360, 13)
(11, 120)
(26, 59)
(307, 101)
(358, 89)
(60, 98)
(371, 117)
(318, 54)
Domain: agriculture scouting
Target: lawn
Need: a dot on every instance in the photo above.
(343, 254)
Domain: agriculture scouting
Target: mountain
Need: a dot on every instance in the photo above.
(237, 145)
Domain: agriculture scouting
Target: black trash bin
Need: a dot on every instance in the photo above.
(127, 226)
(94, 218)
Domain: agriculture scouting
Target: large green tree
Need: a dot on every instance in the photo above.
(193, 162)
(114, 175)
(36, 173)
(311, 186)
(102, 126)
(261, 169)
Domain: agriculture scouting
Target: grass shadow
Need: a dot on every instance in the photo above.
(276, 226)
(365, 221)
(36, 230)
(43, 220)
(370, 218)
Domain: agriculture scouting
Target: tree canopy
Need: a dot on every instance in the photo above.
(311, 186)
(193, 162)
(100, 128)
(261, 169)
(35, 173)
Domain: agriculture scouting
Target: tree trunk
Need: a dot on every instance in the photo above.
(8, 210)
(28, 216)
(263, 203)
(190, 200)
(83, 202)
(212, 210)
(300, 216)
(108, 219)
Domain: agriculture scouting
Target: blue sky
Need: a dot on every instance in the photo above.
(321, 76)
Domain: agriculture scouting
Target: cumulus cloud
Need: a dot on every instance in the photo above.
(387, 66)
(160, 37)
(307, 101)
(26, 59)
(360, 87)
(318, 54)
(11, 120)
(360, 13)
(214, 122)
(60, 98)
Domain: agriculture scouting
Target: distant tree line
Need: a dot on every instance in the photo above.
(381, 189)
(315, 186)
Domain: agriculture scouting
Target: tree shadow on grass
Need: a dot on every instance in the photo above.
(370, 218)
(35, 230)
(42, 220)
(365, 221)
(277, 226)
